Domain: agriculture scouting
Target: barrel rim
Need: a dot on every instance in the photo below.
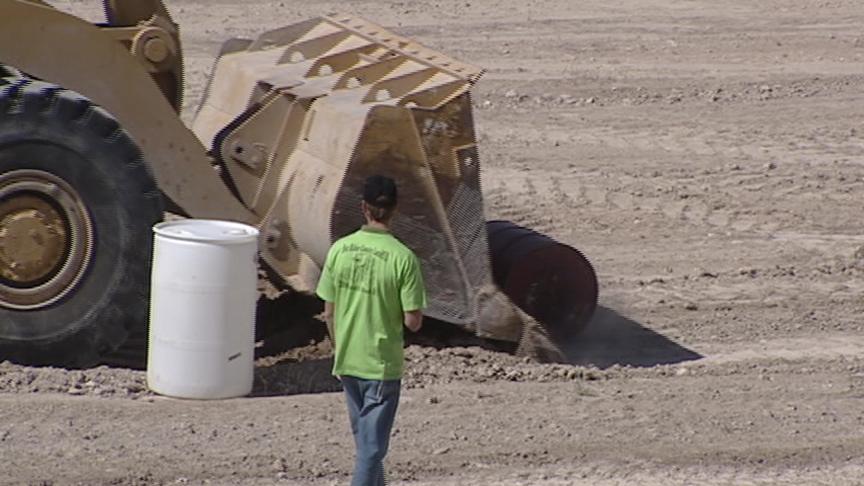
(250, 233)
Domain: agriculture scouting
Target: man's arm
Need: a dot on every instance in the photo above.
(414, 320)
(329, 308)
(413, 294)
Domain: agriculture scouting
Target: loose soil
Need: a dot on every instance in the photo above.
(708, 158)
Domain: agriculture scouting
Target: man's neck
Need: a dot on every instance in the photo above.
(377, 225)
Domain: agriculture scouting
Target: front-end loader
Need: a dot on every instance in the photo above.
(92, 152)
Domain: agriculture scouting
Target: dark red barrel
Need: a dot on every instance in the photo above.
(550, 281)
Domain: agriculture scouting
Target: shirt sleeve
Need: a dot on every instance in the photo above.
(325, 288)
(413, 293)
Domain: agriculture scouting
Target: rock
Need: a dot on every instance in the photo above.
(280, 465)
(750, 272)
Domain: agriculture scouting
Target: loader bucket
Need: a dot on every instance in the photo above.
(300, 116)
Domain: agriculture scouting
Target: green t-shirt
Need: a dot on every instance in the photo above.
(372, 279)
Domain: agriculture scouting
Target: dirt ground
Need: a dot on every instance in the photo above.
(707, 156)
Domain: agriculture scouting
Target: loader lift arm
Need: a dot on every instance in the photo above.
(80, 57)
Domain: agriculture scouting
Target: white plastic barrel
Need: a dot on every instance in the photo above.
(202, 309)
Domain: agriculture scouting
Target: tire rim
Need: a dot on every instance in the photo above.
(46, 239)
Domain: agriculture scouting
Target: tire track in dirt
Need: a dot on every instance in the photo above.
(804, 348)
(536, 198)
(779, 198)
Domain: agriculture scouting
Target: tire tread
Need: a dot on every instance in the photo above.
(40, 105)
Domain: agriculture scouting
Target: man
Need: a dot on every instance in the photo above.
(371, 285)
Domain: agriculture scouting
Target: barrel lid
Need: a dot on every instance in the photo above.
(207, 230)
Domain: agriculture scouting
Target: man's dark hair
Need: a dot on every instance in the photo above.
(380, 191)
(380, 195)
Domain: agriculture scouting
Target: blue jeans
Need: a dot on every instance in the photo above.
(372, 409)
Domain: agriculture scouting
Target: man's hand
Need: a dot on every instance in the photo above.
(414, 320)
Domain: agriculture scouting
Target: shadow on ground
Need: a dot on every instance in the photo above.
(297, 359)
(292, 377)
(613, 339)
(291, 354)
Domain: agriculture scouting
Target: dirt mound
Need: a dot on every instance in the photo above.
(306, 369)
(427, 366)
(102, 381)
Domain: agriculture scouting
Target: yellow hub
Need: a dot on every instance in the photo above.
(46, 239)
(33, 239)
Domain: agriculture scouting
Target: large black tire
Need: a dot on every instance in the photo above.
(61, 135)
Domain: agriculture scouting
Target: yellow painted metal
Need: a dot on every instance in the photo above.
(33, 238)
(131, 12)
(77, 55)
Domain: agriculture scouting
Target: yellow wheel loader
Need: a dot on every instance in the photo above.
(92, 152)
